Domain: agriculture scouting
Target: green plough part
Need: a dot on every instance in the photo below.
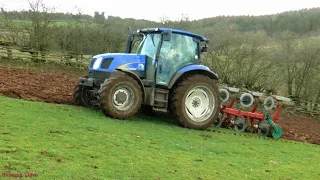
(276, 129)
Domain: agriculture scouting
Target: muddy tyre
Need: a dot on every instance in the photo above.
(83, 97)
(77, 96)
(120, 96)
(195, 102)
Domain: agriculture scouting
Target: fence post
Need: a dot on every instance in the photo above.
(34, 56)
(296, 103)
(9, 52)
(316, 106)
(43, 56)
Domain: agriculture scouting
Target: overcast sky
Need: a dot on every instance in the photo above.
(173, 9)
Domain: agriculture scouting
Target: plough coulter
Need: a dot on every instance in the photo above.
(240, 111)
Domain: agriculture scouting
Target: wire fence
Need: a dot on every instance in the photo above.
(305, 107)
(26, 55)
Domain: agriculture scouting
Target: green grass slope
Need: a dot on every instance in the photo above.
(68, 142)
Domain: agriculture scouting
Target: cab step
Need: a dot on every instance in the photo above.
(161, 100)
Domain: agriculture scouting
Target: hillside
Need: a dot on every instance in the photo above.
(298, 21)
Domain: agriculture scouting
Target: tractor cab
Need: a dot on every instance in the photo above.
(169, 49)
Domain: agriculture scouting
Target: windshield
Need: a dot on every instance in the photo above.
(149, 45)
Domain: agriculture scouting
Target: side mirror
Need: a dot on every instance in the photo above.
(129, 44)
(204, 49)
(166, 35)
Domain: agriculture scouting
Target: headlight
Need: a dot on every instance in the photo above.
(97, 63)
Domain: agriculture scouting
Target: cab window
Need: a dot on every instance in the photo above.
(180, 48)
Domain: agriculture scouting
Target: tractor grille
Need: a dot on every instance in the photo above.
(106, 63)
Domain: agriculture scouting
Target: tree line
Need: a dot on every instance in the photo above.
(273, 53)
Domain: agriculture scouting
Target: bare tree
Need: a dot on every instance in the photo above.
(301, 57)
(38, 22)
(10, 32)
(287, 54)
(307, 69)
(241, 59)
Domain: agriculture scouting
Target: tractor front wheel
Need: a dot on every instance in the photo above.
(196, 102)
(120, 96)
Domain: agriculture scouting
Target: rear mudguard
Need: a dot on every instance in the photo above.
(192, 69)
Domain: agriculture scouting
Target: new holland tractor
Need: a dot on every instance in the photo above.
(164, 73)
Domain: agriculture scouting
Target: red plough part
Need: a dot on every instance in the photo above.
(248, 119)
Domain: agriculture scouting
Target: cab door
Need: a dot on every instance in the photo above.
(180, 51)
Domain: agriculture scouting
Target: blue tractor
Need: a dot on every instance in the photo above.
(164, 73)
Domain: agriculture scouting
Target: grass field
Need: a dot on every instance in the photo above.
(68, 142)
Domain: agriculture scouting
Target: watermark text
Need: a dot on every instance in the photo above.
(19, 175)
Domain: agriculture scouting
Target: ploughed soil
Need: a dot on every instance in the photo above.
(54, 87)
(26, 84)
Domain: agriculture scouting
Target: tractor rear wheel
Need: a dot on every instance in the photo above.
(82, 96)
(195, 102)
(120, 96)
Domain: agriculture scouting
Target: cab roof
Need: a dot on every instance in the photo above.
(178, 31)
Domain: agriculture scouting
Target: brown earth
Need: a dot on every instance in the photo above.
(54, 87)
(300, 129)
(37, 86)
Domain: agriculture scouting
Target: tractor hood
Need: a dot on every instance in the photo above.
(109, 62)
